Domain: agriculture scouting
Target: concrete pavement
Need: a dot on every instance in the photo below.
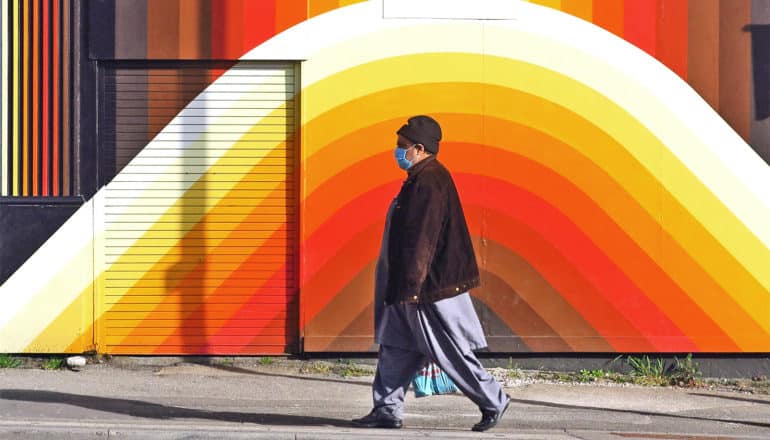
(188, 400)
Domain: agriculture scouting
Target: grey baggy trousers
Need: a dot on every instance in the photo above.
(397, 366)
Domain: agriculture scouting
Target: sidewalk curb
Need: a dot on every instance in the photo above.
(107, 429)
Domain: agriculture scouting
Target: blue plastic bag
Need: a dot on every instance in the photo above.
(432, 380)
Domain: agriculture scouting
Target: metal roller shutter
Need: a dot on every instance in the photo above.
(200, 245)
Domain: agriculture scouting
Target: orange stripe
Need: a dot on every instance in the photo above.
(318, 7)
(579, 8)
(609, 14)
(288, 13)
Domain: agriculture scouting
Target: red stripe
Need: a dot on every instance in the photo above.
(55, 79)
(46, 153)
(258, 23)
(36, 119)
(672, 35)
(639, 23)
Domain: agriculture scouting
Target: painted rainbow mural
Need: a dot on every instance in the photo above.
(612, 208)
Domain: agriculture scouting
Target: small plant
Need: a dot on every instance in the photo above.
(647, 371)
(514, 372)
(349, 369)
(586, 376)
(53, 363)
(317, 367)
(225, 362)
(8, 361)
(265, 361)
(684, 372)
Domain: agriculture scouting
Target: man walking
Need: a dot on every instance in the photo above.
(427, 265)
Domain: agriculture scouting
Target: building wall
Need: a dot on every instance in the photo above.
(609, 180)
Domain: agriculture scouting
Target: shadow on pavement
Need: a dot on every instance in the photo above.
(739, 399)
(138, 408)
(289, 376)
(641, 413)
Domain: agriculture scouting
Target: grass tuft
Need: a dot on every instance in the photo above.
(8, 361)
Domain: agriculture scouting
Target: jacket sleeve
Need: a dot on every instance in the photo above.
(425, 214)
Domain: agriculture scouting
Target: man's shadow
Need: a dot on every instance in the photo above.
(138, 408)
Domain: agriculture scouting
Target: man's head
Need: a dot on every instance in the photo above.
(422, 130)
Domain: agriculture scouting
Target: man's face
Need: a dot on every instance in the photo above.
(413, 151)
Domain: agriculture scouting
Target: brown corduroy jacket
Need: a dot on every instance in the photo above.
(430, 253)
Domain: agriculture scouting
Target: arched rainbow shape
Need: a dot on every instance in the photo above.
(613, 209)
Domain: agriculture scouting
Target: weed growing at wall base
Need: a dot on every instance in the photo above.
(8, 361)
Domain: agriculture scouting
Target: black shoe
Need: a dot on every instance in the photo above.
(490, 418)
(377, 420)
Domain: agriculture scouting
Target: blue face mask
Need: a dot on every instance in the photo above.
(401, 159)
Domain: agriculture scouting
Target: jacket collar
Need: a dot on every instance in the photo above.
(415, 169)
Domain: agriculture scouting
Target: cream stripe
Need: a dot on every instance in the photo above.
(4, 135)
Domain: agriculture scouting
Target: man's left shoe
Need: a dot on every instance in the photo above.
(490, 418)
(377, 420)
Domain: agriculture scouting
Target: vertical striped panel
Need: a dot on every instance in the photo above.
(609, 15)
(671, 45)
(4, 134)
(735, 65)
(703, 49)
(640, 23)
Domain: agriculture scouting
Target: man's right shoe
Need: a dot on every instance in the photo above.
(377, 420)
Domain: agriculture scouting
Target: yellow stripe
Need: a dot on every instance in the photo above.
(654, 157)
(556, 4)
(15, 90)
(4, 104)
